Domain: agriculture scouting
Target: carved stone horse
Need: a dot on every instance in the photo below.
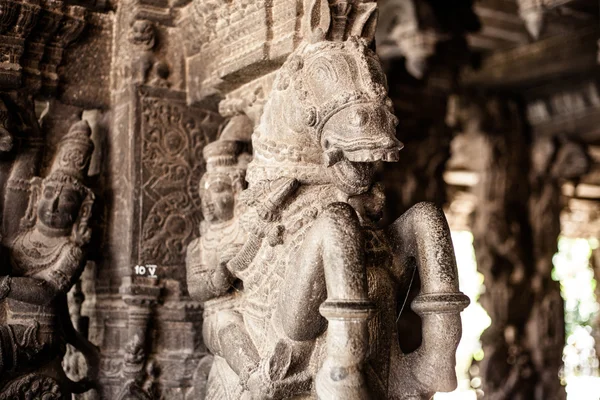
(320, 283)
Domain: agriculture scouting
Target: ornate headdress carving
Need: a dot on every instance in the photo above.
(222, 160)
(72, 159)
(220, 154)
(225, 155)
(69, 166)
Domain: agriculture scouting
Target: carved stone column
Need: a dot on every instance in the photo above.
(553, 161)
(503, 241)
(154, 166)
(516, 228)
(503, 246)
(141, 298)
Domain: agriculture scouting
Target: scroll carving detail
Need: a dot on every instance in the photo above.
(172, 144)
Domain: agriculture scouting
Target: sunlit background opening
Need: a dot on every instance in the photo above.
(572, 269)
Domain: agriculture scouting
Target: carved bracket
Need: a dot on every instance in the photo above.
(33, 36)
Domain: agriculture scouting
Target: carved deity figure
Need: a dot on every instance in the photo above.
(208, 278)
(316, 288)
(47, 258)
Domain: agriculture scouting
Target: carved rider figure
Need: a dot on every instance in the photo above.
(321, 285)
(208, 278)
(219, 232)
(47, 258)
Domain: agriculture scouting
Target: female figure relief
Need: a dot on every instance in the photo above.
(47, 258)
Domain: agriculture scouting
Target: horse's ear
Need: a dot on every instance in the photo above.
(319, 19)
(366, 21)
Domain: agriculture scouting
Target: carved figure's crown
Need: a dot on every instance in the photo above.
(73, 155)
(221, 153)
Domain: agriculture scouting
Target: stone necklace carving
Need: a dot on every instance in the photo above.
(33, 252)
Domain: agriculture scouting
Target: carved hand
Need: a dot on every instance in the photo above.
(267, 380)
(221, 279)
(229, 253)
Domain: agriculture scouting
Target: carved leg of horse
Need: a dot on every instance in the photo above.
(332, 278)
(422, 234)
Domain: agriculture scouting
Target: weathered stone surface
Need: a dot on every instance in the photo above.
(250, 36)
(302, 297)
(86, 65)
(34, 36)
(238, 249)
(47, 257)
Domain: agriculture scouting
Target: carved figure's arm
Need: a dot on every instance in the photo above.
(205, 282)
(67, 269)
(422, 235)
(81, 343)
(45, 286)
(28, 290)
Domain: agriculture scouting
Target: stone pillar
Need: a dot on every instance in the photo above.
(137, 371)
(492, 135)
(516, 227)
(553, 162)
(503, 248)
(154, 150)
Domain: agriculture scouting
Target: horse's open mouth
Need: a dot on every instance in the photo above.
(353, 177)
(362, 155)
(373, 155)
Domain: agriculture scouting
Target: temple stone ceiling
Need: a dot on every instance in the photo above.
(504, 27)
(545, 53)
(516, 55)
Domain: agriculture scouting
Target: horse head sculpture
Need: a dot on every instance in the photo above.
(328, 118)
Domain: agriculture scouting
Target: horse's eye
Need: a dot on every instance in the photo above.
(359, 117)
(324, 71)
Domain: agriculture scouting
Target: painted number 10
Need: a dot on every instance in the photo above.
(146, 269)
